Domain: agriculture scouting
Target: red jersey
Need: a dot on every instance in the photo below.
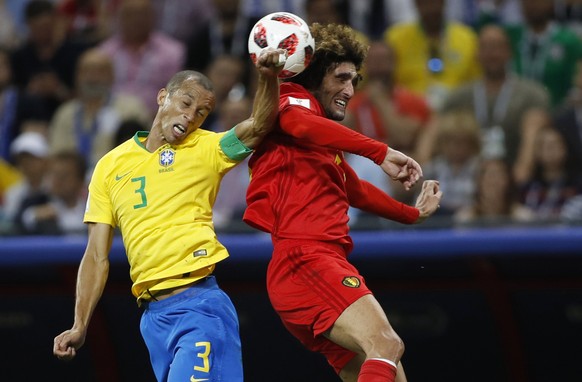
(301, 186)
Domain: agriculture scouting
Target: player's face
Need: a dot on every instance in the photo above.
(184, 111)
(336, 89)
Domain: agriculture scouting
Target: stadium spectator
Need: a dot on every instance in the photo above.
(88, 122)
(496, 198)
(569, 13)
(127, 130)
(385, 111)
(9, 176)
(87, 22)
(144, 59)
(456, 159)
(16, 106)
(44, 65)
(227, 32)
(324, 12)
(29, 153)
(10, 37)
(372, 17)
(255, 9)
(227, 73)
(433, 56)
(59, 210)
(500, 100)
(543, 50)
(477, 13)
(568, 120)
(553, 182)
(174, 18)
(231, 202)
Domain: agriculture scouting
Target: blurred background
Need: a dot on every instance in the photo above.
(485, 94)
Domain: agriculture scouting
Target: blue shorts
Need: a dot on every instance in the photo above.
(194, 335)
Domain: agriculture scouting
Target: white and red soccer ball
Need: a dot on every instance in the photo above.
(283, 30)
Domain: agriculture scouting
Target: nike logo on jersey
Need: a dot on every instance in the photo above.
(192, 379)
(118, 177)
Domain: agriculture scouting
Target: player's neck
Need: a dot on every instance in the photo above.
(154, 141)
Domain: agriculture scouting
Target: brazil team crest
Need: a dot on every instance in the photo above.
(167, 157)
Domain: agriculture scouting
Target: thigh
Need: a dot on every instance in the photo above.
(359, 323)
(312, 285)
(336, 355)
(209, 346)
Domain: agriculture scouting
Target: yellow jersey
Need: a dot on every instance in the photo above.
(162, 203)
(458, 58)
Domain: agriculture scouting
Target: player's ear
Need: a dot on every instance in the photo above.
(162, 94)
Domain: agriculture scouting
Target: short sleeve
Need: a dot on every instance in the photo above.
(99, 208)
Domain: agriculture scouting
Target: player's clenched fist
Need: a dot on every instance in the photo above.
(66, 344)
(271, 62)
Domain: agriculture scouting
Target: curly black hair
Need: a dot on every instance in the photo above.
(334, 44)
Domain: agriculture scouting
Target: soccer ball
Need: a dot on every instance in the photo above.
(283, 30)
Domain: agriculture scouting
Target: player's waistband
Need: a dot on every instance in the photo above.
(284, 244)
(192, 290)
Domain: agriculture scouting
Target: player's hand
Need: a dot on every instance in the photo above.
(401, 168)
(429, 199)
(66, 344)
(271, 62)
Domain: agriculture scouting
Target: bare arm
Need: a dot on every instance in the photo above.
(532, 122)
(91, 280)
(266, 104)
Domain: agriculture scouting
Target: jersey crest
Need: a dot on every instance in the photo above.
(167, 157)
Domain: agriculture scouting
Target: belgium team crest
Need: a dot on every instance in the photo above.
(167, 157)
(351, 281)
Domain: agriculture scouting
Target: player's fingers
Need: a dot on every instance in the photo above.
(281, 60)
(276, 57)
(415, 167)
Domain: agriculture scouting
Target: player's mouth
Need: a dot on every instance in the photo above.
(179, 129)
(341, 103)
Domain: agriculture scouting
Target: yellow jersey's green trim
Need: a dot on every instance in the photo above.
(140, 134)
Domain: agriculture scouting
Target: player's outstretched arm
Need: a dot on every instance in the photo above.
(266, 104)
(91, 280)
(402, 168)
(428, 200)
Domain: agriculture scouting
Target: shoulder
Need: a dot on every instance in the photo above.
(202, 137)
(566, 35)
(461, 34)
(294, 95)
(110, 44)
(531, 88)
(400, 34)
(165, 42)
(409, 96)
(404, 28)
(67, 109)
(460, 97)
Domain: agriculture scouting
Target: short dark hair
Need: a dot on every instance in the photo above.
(37, 8)
(334, 44)
(178, 79)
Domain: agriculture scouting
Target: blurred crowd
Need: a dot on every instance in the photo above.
(485, 94)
